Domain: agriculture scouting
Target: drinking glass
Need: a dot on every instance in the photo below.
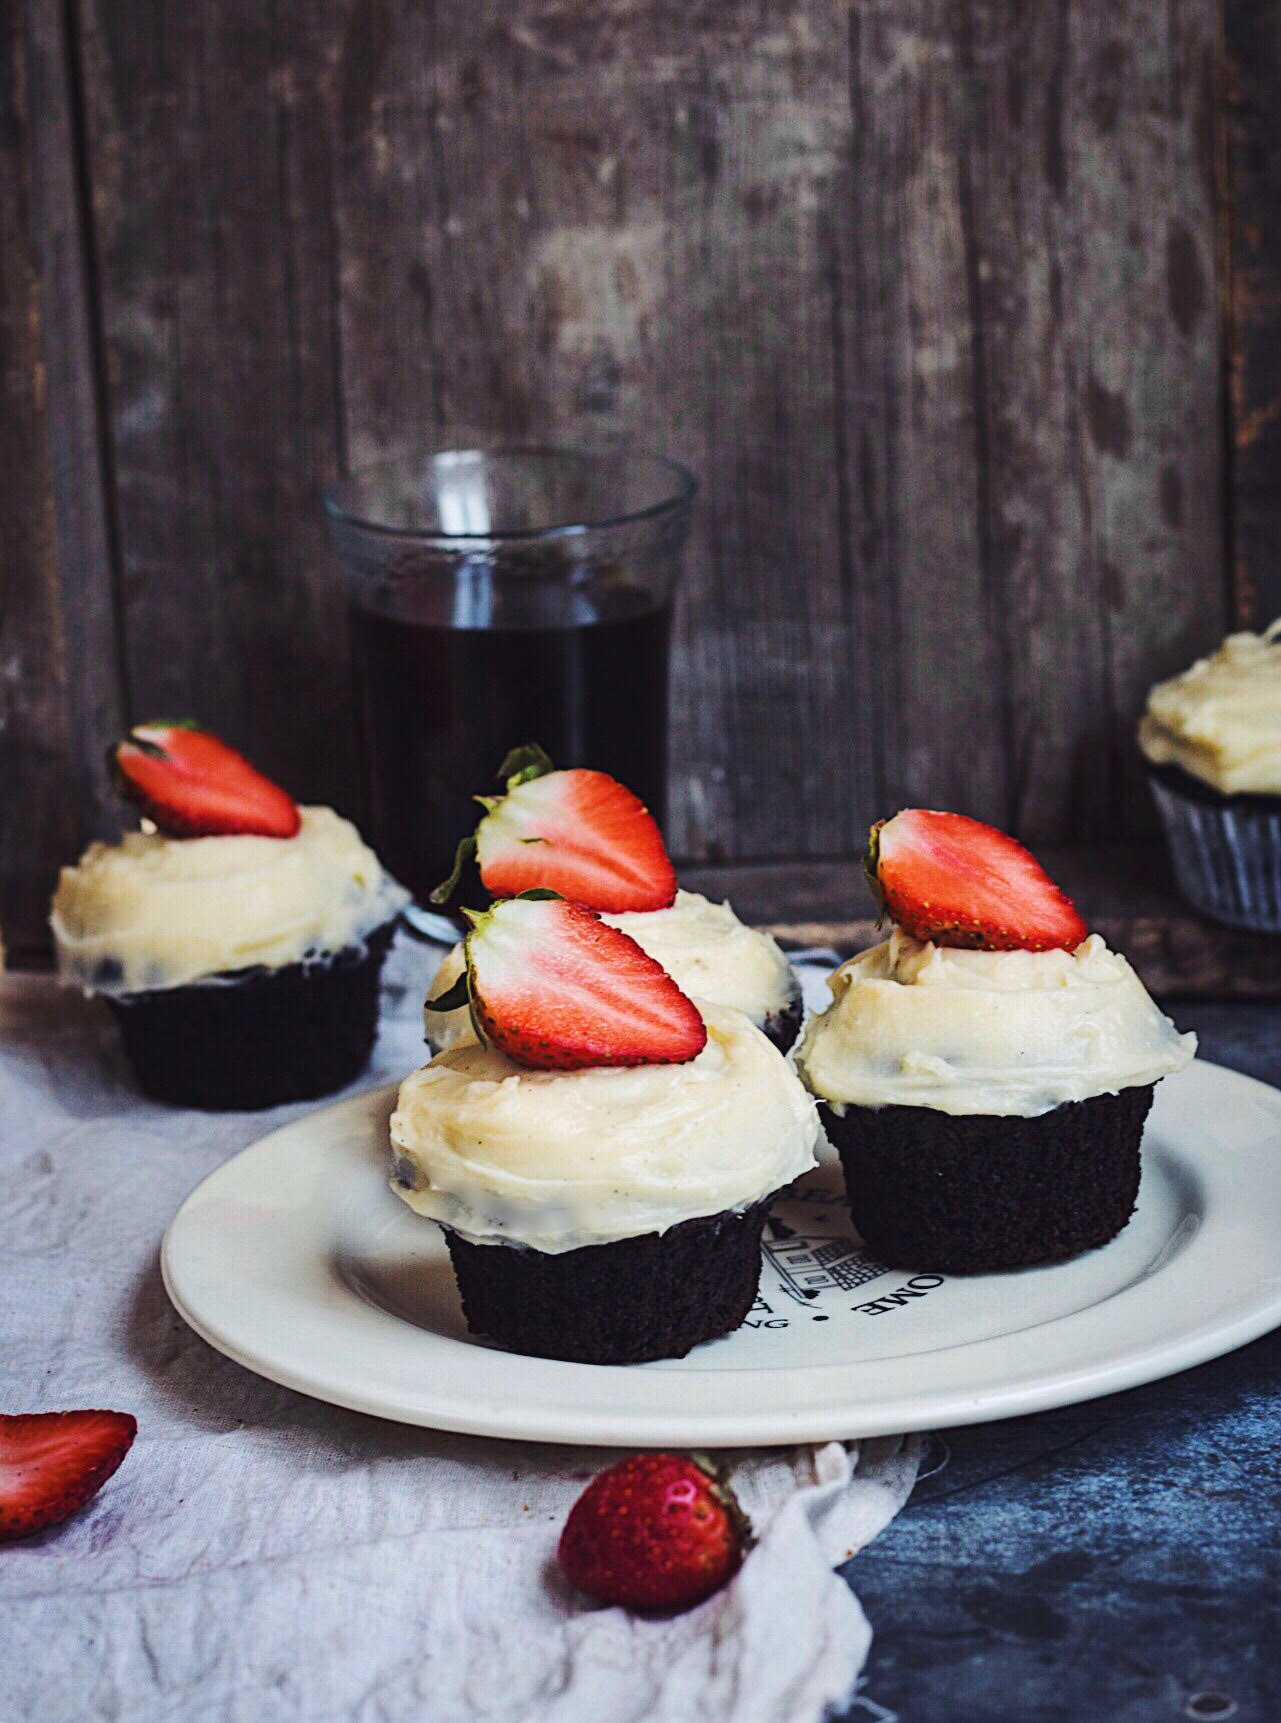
(498, 597)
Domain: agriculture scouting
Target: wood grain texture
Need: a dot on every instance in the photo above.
(34, 764)
(210, 173)
(58, 672)
(96, 680)
(1252, 255)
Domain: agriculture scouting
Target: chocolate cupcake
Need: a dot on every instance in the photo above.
(988, 1104)
(703, 946)
(1212, 740)
(242, 968)
(607, 1215)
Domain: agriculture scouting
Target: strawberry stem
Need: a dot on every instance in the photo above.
(724, 1494)
(462, 855)
(453, 998)
(872, 867)
(525, 763)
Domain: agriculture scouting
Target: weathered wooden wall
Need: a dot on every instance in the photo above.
(1252, 239)
(932, 295)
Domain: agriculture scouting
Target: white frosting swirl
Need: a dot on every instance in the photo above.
(994, 1032)
(708, 952)
(1221, 720)
(559, 1159)
(154, 911)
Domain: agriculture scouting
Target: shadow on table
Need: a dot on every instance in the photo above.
(203, 1388)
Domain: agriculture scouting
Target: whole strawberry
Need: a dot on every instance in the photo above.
(654, 1532)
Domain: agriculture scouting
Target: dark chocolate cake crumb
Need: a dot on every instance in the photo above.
(656, 1296)
(975, 1193)
(260, 1038)
(782, 1027)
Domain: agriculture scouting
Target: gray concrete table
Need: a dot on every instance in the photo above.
(1116, 1562)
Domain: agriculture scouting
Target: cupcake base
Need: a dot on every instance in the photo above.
(1226, 850)
(977, 1193)
(622, 1303)
(782, 1027)
(260, 1037)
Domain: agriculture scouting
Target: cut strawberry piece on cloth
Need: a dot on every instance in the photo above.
(191, 784)
(51, 1463)
(953, 880)
(578, 832)
(556, 988)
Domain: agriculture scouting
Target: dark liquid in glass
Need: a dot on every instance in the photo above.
(440, 706)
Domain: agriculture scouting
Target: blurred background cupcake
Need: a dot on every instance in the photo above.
(1212, 740)
(237, 937)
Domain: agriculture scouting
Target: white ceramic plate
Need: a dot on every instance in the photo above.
(296, 1259)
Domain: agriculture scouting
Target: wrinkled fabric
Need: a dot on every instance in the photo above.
(261, 1556)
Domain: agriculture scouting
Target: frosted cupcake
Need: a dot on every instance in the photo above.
(1212, 740)
(986, 1086)
(604, 1204)
(241, 965)
(584, 835)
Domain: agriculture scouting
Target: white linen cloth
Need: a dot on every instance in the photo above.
(262, 1557)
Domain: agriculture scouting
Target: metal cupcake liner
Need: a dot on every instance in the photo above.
(1227, 859)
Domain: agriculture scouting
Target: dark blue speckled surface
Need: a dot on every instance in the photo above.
(1116, 1562)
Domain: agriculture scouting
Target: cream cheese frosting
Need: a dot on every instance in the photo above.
(559, 1159)
(708, 952)
(154, 911)
(1221, 719)
(993, 1032)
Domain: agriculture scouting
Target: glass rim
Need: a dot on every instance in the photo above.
(683, 491)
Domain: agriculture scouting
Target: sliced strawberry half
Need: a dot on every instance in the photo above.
(51, 1463)
(193, 785)
(578, 832)
(556, 988)
(953, 880)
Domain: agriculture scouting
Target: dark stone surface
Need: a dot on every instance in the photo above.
(1119, 1560)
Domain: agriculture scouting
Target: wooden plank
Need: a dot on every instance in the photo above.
(1124, 891)
(1049, 158)
(1251, 165)
(209, 156)
(38, 824)
(96, 689)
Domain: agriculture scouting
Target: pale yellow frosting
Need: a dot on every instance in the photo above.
(154, 911)
(708, 952)
(1001, 1032)
(1221, 720)
(559, 1159)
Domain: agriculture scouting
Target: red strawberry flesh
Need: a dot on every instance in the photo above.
(556, 988)
(191, 784)
(51, 1463)
(955, 881)
(654, 1532)
(580, 833)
